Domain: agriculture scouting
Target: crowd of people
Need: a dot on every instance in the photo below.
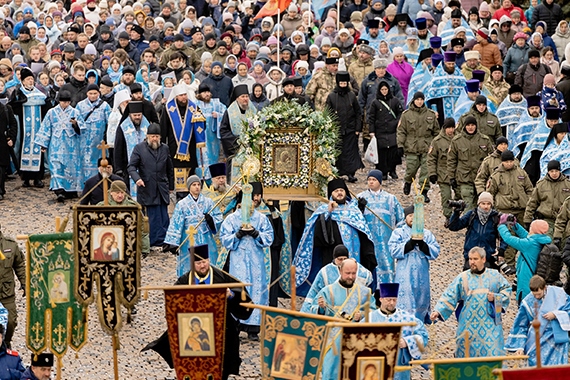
(472, 96)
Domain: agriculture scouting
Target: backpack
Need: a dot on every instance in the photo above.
(549, 264)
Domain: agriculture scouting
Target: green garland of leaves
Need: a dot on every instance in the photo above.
(289, 114)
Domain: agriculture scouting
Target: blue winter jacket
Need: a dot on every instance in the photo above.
(529, 247)
(477, 235)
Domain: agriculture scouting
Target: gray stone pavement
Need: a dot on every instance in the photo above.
(28, 211)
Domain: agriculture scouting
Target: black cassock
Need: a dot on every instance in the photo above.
(232, 360)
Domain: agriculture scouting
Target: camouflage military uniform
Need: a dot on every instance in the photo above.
(319, 88)
(468, 72)
(546, 200)
(437, 165)
(487, 123)
(13, 262)
(488, 166)
(562, 225)
(500, 90)
(417, 128)
(359, 69)
(466, 153)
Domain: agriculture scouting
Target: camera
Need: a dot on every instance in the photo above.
(503, 266)
(460, 204)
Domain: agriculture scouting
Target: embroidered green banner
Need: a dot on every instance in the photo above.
(54, 316)
(482, 370)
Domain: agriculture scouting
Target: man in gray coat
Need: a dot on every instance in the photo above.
(151, 169)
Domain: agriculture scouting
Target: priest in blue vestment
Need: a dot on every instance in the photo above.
(29, 104)
(551, 306)
(383, 212)
(248, 257)
(528, 123)
(191, 210)
(445, 87)
(414, 339)
(412, 266)
(467, 98)
(213, 111)
(131, 131)
(59, 134)
(511, 110)
(338, 222)
(532, 158)
(478, 296)
(95, 114)
(344, 298)
(557, 147)
(330, 273)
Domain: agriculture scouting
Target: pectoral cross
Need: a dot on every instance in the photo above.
(103, 146)
(59, 331)
(79, 328)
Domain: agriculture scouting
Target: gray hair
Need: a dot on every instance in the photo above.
(478, 250)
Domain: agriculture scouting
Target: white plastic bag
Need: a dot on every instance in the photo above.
(371, 154)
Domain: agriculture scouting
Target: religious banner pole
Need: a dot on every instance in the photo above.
(536, 327)
(293, 289)
(278, 38)
(103, 146)
(337, 14)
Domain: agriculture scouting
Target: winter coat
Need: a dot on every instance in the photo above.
(290, 24)
(369, 88)
(344, 47)
(510, 188)
(487, 123)
(561, 41)
(529, 246)
(155, 168)
(14, 263)
(78, 90)
(490, 54)
(564, 87)
(382, 119)
(402, 72)
(465, 155)
(221, 87)
(551, 14)
(8, 130)
(546, 199)
(515, 58)
(345, 105)
(477, 235)
(437, 156)
(531, 78)
(418, 126)
(132, 52)
(359, 69)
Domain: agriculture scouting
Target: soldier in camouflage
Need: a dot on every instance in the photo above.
(497, 85)
(322, 84)
(437, 163)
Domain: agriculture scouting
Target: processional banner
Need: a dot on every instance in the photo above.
(368, 348)
(107, 244)
(55, 320)
(291, 345)
(196, 321)
(474, 370)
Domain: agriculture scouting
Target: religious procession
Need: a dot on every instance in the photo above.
(284, 189)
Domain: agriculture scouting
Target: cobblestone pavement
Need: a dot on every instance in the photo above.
(28, 211)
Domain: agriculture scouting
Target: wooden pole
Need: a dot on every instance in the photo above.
(367, 308)
(103, 146)
(536, 327)
(293, 289)
(115, 355)
(467, 344)
(58, 370)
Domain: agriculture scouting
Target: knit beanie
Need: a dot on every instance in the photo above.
(549, 79)
(485, 197)
(553, 165)
(539, 226)
(340, 251)
(376, 174)
(507, 155)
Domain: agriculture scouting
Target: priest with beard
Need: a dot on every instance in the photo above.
(338, 222)
(183, 129)
(240, 110)
(206, 274)
(445, 87)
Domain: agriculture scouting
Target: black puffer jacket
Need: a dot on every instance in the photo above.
(551, 14)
